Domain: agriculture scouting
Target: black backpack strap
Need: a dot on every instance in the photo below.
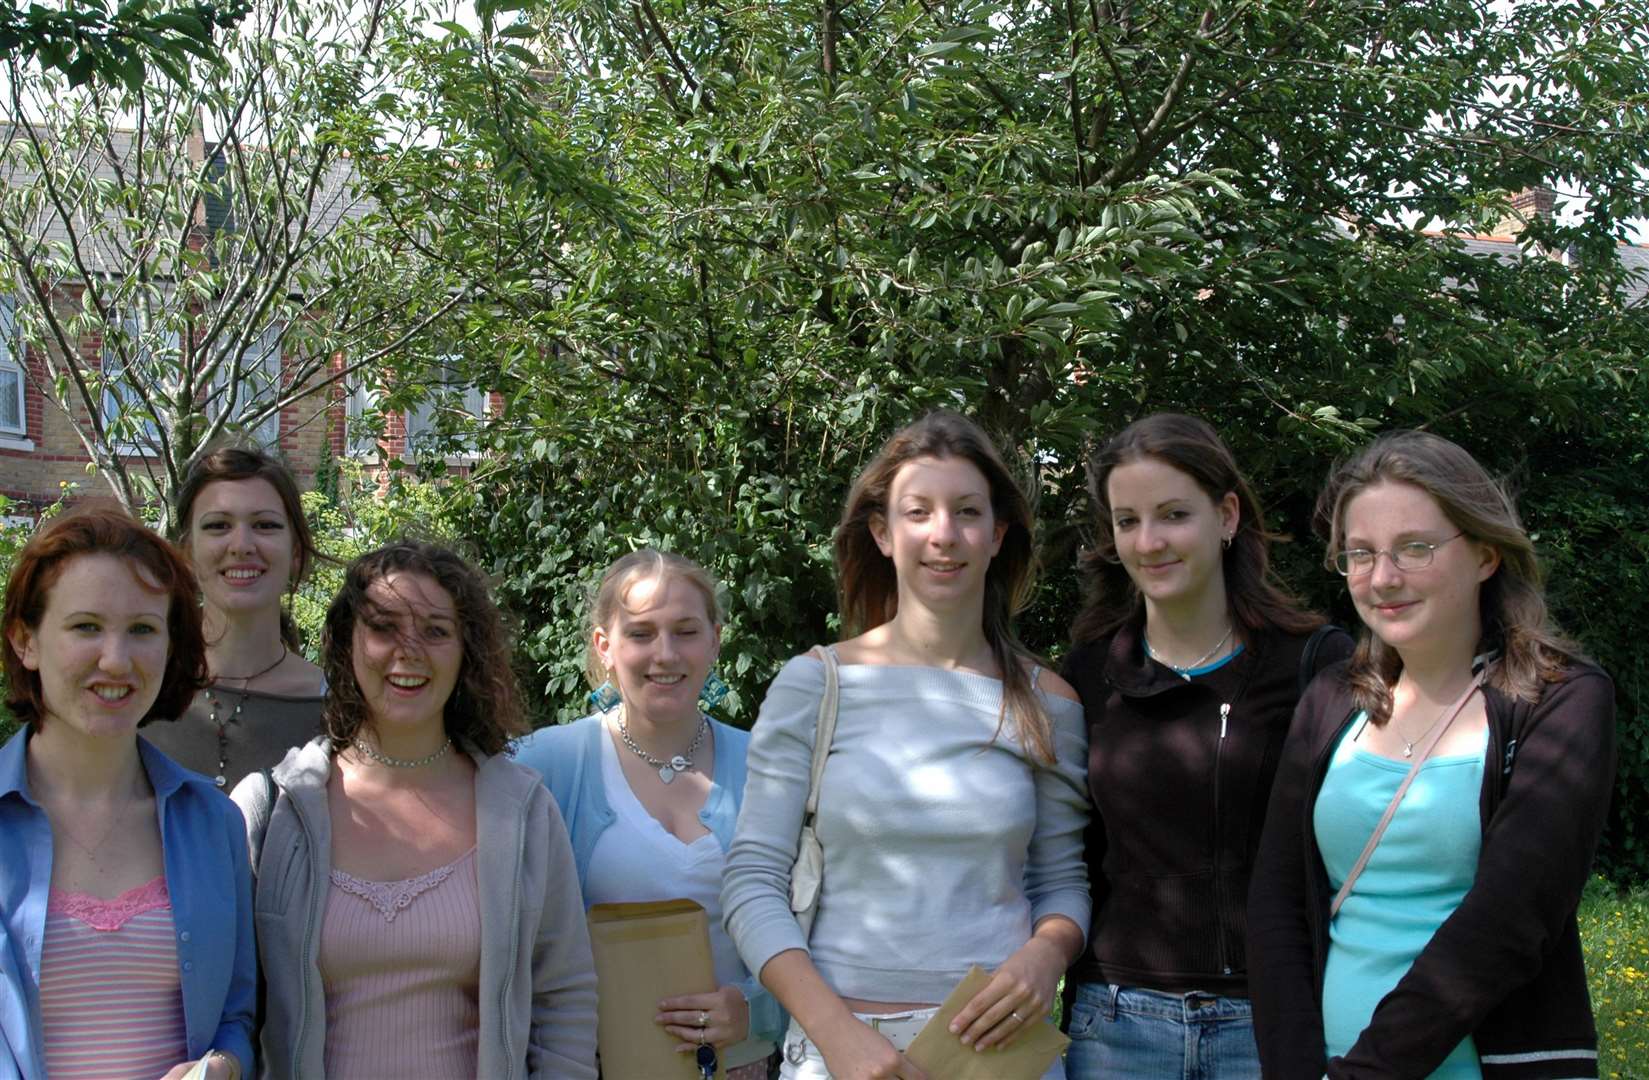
(1308, 658)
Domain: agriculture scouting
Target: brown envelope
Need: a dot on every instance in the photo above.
(943, 1057)
(644, 952)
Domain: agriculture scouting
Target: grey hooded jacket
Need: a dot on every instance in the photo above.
(537, 987)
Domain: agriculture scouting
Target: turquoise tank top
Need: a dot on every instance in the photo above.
(1417, 876)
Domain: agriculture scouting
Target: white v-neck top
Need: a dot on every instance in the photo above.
(637, 857)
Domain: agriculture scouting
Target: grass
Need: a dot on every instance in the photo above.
(1614, 928)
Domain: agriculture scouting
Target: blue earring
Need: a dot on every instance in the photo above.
(604, 697)
(714, 691)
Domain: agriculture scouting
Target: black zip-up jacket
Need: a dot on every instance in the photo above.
(1180, 774)
(1505, 967)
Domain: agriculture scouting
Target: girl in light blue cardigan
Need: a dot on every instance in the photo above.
(650, 788)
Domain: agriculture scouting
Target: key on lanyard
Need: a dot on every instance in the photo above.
(707, 1061)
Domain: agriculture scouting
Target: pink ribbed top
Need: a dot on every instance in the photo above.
(401, 965)
(111, 1000)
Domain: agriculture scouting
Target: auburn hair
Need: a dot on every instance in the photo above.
(104, 528)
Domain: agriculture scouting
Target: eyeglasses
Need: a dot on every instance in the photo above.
(1414, 555)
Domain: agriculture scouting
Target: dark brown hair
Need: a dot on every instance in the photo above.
(868, 584)
(104, 529)
(1257, 600)
(1511, 603)
(485, 712)
(227, 463)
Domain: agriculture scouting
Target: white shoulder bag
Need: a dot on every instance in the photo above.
(807, 874)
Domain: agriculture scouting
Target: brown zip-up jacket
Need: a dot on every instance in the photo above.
(1506, 967)
(1180, 773)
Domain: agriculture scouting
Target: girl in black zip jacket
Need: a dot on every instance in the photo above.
(1189, 662)
(1456, 951)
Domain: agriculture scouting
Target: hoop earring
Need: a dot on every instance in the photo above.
(1225, 543)
(605, 697)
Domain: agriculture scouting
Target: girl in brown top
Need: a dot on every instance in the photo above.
(1189, 660)
(239, 520)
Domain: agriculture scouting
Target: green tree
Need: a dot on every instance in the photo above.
(86, 41)
(212, 234)
(819, 220)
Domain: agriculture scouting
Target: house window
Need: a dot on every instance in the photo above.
(132, 426)
(13, 420)
(447, 394)
(260, 384)
(360, 412)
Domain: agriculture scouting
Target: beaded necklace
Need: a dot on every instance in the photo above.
(222, 725)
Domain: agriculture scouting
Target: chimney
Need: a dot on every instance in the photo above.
(1527, 206)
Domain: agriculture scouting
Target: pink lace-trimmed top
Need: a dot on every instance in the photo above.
(401, 965)
(111, 999)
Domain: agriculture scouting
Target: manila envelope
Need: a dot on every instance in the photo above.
(943, 1057)
(644, 952)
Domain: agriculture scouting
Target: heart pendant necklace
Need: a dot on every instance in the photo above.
(679, 763)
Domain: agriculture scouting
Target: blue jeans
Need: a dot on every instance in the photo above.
(1119, 1033)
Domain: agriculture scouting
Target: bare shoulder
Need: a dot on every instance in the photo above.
(1052, 684)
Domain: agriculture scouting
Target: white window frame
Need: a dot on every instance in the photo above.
(361, 400)
(114, 371)
(420, 419)
(11, 363)
(260, 381)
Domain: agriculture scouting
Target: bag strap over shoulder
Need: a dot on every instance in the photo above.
(258, 825)
(1424, 752)
(824, 732)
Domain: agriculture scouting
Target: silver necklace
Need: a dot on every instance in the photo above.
(1185, 672)
(403, 763)
(1408, 747)
(667, 770)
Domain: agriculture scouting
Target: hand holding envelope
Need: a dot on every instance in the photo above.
(644, 953)
(940, 1054)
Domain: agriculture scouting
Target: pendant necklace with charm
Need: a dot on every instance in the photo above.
(667, 770)
(222, 725)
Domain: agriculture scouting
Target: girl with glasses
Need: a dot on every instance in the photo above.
(1448, 948)
(951, 809)
(1189, 660)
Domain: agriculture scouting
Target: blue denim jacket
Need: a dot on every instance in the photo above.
(203, 843)
(569, 759)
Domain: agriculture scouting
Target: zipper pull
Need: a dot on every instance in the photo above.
(1225, 714)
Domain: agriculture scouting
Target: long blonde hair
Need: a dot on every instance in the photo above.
(1512, 602)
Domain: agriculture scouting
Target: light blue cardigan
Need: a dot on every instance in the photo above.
(569, 758)
(203, 848)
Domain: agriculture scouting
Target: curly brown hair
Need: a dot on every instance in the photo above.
(485, 712)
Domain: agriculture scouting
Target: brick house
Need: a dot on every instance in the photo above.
(40, 448)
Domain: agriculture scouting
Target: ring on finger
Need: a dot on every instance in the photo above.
(704, 1018)
(1015, 1014)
